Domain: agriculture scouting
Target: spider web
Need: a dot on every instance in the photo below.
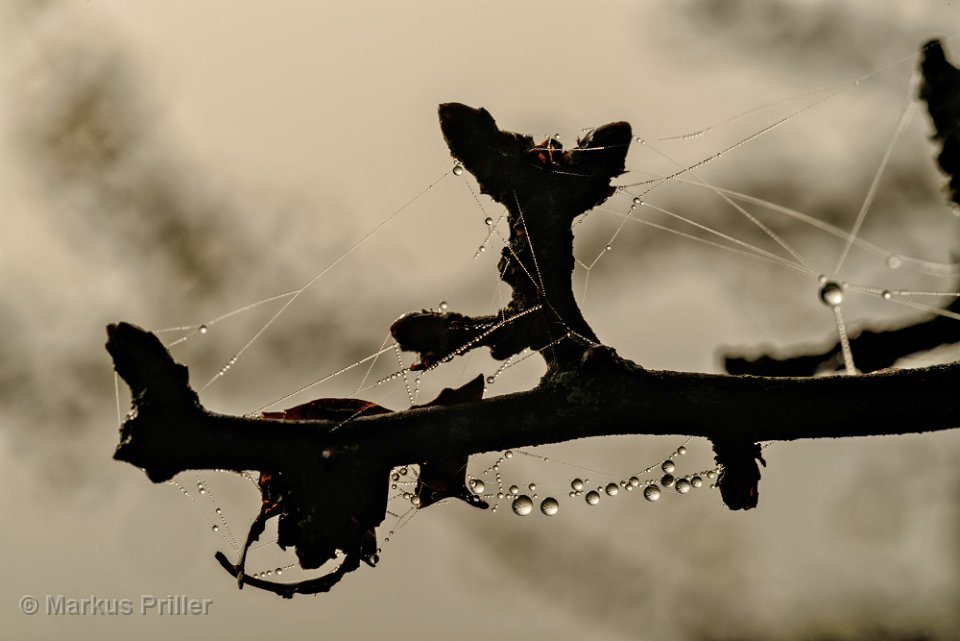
(677, 203)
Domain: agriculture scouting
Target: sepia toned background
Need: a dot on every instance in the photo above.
(165, 163)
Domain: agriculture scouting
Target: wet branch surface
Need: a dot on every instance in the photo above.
(325, 465)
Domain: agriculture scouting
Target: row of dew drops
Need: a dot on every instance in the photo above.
(659, 477)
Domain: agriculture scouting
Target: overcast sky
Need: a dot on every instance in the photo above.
(165, 163)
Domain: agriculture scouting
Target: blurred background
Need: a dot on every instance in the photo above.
(166, 163)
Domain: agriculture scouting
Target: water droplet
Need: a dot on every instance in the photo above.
(894, 262)
(886, 294)
(443, 305)
(576, 484)
(612, 489)
(831, 294)
(488, 221)
(683, 486)
(668, 466)
(279, 571)
(549, 506)
(458, 170)
(216, 528)
(522, 505)
(508, 454)
(395, 476)
(406, 496)
(637, 201)
(514, 489)
(696, 481)
(592, 497)
(219, 511)
(415, 501)
(482, 248)
(651, 493)
(533, 487)
(607, 248)
(822, 279)
(634, 481)
(711, 474)
(490, 380)
(667, 480)
(403, 471)
(681, 450)
(203, 329)
(478, 486)
(202, 490)
(500, 495)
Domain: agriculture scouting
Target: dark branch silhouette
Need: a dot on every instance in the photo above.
(324, 465)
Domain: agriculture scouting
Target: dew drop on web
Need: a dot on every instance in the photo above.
(549, 506)
(522, 505)
(831, 294)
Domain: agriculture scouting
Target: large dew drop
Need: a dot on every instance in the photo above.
(592, 497)
(831, 294)
(522, 505)
(612, 489)
(576, 484)
(477, 486)
(549, 506)
(668, 466)
(651, 493)
(458, 170)
(683, 486)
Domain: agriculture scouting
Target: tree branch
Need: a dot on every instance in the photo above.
(544, 188)
(604, 395)
(324, 465)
